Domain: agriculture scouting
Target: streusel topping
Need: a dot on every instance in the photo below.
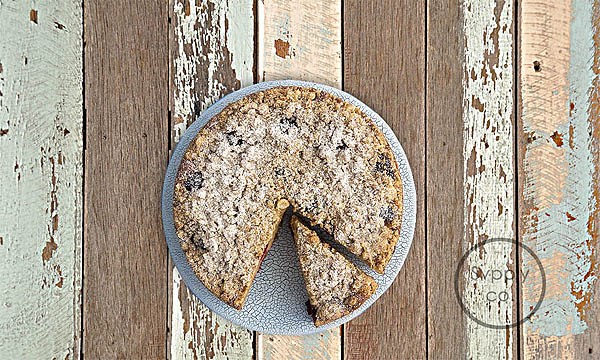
(335, 286)
(323, 155)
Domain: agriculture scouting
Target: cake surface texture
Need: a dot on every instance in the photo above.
(285, 146)
(335, 286)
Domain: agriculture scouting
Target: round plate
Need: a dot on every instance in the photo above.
(277, 301)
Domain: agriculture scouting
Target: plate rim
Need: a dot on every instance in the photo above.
(173, 243)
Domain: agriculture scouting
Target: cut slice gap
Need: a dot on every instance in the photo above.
(335, 286)
(328, 238)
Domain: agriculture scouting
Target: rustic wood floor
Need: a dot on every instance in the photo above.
(496, 103)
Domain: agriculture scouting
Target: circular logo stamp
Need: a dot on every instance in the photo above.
(487, 279)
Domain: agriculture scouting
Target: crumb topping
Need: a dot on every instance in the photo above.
(335, 286)
(323, 155)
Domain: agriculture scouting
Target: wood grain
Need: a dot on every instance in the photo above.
(470, 173)
(300, 40)
(41, 148)
(325, 345)
(445, 177)
(384, 66)
(126, 100)
(212, 54)
(559, 142)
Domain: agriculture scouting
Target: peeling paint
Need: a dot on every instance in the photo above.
(303, 41)
(489, 167)
(40, 90)
(201, 55)
(557, 138)
(49, 250)
(282, 48)
(33, 16)
(202, 334)
(559, 180)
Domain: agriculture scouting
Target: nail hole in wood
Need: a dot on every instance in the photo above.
(537, 66)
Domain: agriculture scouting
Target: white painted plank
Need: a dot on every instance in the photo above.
(300, 40)
(213, 55)
(41, 152)
(489, 168)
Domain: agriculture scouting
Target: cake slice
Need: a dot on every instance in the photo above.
(335, 286)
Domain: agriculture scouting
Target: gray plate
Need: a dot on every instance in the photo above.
(277, 301)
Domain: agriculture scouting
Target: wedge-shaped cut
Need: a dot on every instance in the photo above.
(335, 286)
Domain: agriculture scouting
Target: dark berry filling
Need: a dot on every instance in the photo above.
(279, 171)
(387, 214)
(384, 166)
(342, 146)
(287, 123)
(198, 242)
(311, 311)
(233, 138)
(194, 181)
(264, 254)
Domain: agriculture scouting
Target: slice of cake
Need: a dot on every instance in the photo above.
(335, 286)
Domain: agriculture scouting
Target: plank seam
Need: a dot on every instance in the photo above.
(169, 132)
(425, 232)
(83, 181)
(342, 81)
(516, 103)
(255, 79)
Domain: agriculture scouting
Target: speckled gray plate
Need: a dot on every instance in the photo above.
(277, 301)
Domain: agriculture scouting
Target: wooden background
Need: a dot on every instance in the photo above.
(495, 102)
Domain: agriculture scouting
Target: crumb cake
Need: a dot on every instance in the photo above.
(335, 286)
(285, 146)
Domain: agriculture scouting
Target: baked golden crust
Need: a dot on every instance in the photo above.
(302, 145)
(335, 286)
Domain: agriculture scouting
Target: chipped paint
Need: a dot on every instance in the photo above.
(40, 193)
(559, 185)
(33, 16)
(318, 346)
(300, 40)
(202, 334)
(213, 56)
(489, 166)
(201, 30)
(282, 48)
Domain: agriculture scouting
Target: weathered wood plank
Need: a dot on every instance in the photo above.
(300, 40)
(325, 345)
(445, 179)
(41, 167)
(489, 175)
(384, 65)
(212, 54)
(470, 162)
(559, 142)
(126, 100)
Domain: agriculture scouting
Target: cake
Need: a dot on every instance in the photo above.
(285, 146)
(335, 286)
